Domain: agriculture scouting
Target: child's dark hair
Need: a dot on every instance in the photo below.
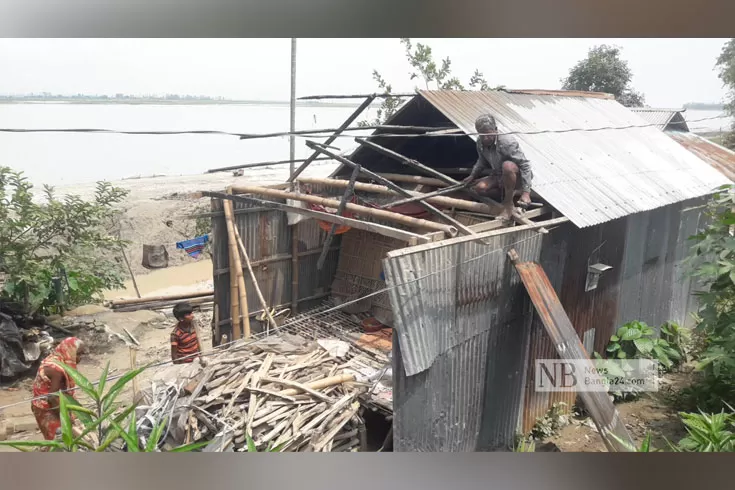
(181, 310)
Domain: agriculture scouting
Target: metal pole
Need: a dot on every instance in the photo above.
(292, 138)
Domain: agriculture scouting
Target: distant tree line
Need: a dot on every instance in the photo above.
(118, 96)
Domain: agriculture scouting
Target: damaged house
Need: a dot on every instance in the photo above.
(384, 242)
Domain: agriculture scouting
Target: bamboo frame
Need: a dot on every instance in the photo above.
(331, 203)
(449, 202)
(434, 173)
(384, 230)
(356, 168)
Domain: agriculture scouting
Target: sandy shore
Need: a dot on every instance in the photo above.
(154, 201)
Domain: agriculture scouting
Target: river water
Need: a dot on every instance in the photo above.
(76, 158)
(72, 158)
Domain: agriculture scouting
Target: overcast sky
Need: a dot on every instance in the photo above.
(670, 72)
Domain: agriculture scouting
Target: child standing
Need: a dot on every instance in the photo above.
(185, 346)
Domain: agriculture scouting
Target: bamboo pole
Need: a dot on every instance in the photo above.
(401, 191)
(384, 230)
(238, 293)
(331, 203)
(130, 269)
(368, 100)
(168, 297)
(414, 179)
(449, 202)
(263, 304)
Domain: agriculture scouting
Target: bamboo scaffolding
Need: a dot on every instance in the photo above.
(384, 230)
(356, 208)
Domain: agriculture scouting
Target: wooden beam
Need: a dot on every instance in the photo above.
(384, 230)
(493, 224)
(368, 100)
(423, 197)
(356, 208)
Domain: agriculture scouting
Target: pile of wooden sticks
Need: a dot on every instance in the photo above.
(276, 402)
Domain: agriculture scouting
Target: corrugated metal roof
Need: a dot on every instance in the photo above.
(715, 155)
(589, 176)
(662, 117)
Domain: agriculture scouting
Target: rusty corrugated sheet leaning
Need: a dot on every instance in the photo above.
(567, 343)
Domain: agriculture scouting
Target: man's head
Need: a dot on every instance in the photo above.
(486, 126)
(183, 311)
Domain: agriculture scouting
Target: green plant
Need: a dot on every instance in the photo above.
(553, 420)
(105, 420)
(251, 448)
(635, 340)
(66, 241)
(708, 433)
(431, 74)
(524, 445)
(678, 338)
(712, 263)
(645, 447)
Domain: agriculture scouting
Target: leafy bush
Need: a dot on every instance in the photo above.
(104, 423)
(65, 238)
(712, 262)
(635, 340)
(678, 338)
(708, 433)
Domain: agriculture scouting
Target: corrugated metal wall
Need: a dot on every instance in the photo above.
(467, 336)
(267, 238)
(461, 321)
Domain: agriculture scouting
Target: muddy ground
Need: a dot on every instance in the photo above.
(652, 412)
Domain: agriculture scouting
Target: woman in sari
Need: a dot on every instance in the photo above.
(50, 379)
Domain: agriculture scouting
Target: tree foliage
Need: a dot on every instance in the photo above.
(427, 71)
(726, 68)
(66, 238)
(604, 71)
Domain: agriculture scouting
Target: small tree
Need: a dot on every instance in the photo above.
(424, 68)
(604, 71)
(68, 238)
(726, 66)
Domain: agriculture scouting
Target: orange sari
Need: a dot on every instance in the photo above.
(47, 419)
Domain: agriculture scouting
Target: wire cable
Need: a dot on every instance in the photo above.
(441, 132)
(246, 342)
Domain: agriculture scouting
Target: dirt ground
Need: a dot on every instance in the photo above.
(651, 412)
(150, 328)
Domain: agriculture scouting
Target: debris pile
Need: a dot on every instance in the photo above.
(281, 393)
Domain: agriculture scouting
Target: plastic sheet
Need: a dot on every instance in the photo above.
(12, 360)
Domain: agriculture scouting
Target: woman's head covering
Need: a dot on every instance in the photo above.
(67, 351)
(485, 123)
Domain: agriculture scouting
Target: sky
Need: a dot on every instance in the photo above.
(669, 72)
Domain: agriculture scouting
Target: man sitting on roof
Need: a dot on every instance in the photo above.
(500, 158)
